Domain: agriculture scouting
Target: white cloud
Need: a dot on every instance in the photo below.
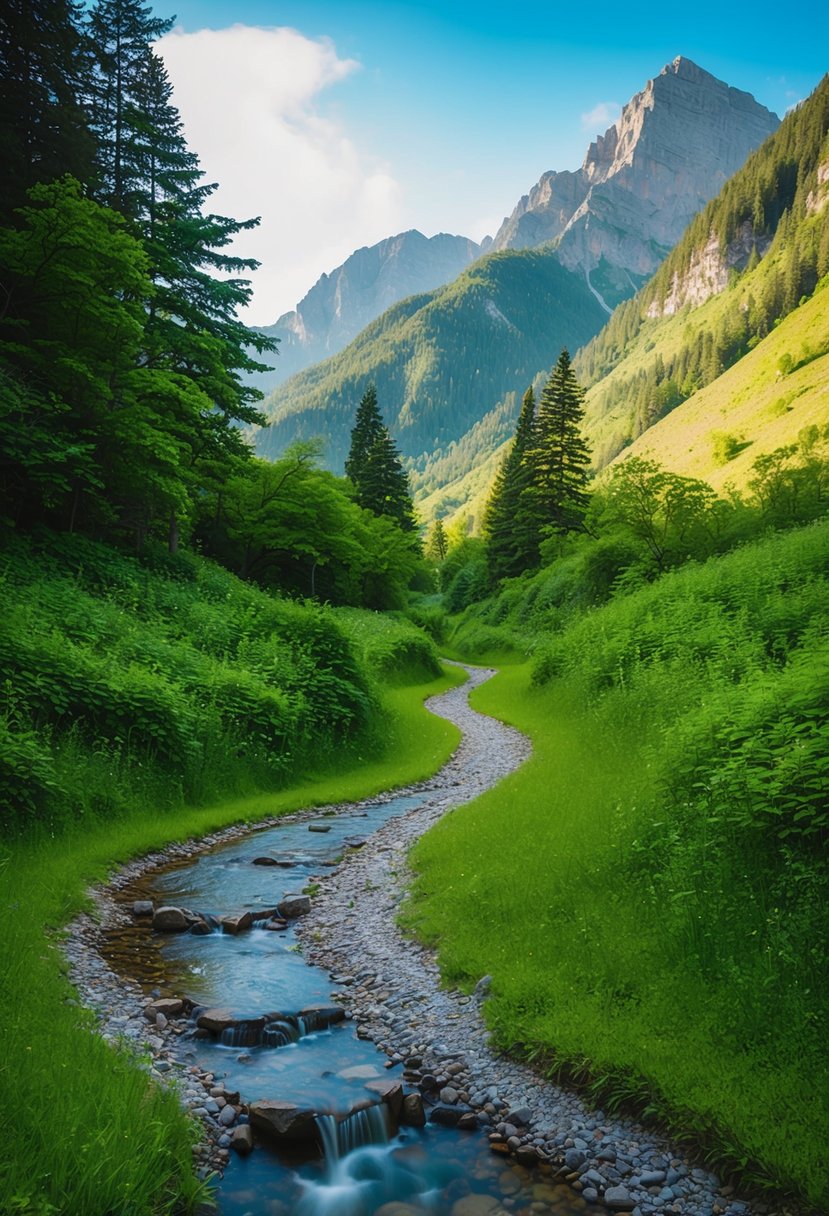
(249, 100)
(602, 116)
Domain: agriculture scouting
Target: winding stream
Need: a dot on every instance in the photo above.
(284, 1031)
(367, 1167)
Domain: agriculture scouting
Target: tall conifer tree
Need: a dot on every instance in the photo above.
(511, 537)
(373, 466)
(43, 77)
(558, 456)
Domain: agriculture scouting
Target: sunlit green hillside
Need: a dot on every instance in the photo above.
(762, 403)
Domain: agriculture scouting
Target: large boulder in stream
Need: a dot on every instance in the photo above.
(237, 924)
(171, 920)
(319, 1017)
(285, 1123)
(294, 905)
(390, 1093)
(219, 1020)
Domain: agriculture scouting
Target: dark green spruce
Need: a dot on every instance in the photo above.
(373, 466)
(558, 457)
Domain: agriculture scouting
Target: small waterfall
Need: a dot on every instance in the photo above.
(280, 1032)
(362, 1128)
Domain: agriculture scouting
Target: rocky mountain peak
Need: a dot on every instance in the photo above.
(674, 145)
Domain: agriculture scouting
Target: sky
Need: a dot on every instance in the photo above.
(340, 124)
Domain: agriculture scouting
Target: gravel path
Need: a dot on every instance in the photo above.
(393, 992)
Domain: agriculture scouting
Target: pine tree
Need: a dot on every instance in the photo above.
(373, 466)
(437, 546)
(558, 458)
(148, 173)
(43, 128)
(511, 538)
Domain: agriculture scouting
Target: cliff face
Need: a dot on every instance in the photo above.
(342, 303)
(672, 149)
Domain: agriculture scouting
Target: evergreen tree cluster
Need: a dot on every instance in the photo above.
(541, 487)
(122, 362)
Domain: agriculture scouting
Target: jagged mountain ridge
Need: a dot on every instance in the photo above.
(344, 302)
(673, 148)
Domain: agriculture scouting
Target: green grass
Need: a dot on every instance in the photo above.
(91, 1135)
(649, 891)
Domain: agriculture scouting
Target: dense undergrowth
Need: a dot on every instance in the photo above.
(662, 857)
(154, 700)
(168, 681)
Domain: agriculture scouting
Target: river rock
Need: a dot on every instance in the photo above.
(617, 1199)
(389, 1092)
(170, 920)
(142, 907)
(227, 1115)
(284, 1123)
(218, 1020)
(447, 1116)
(170, 1006)
(412, 1113)
(319, 827)
(265, 861)
(237, 924)
(275, 925)
(318, 1017)
(294, 905)
(241, 1139)
(476, 1205)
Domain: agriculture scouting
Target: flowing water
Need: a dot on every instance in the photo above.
(300, 1058)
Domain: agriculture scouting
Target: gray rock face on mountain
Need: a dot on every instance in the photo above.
(342, 303)
(672, 149)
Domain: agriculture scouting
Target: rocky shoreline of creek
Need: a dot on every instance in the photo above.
(438, 1037)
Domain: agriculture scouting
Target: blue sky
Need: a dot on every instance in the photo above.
(375, 117)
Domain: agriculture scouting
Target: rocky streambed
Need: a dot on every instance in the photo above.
(193, 958)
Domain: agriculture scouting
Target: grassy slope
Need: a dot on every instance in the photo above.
(751, 400)
(93, 639)
(679, 968)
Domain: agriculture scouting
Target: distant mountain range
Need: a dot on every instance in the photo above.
(372, 279)
(450, 364)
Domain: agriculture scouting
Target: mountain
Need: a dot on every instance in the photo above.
(727, 295)
(722, 357)
(372, 279)
(440, 359)
(673, 148)
(450, 360)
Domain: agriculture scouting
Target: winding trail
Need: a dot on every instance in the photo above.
(391, 985)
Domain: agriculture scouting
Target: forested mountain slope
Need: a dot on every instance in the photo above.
(343, 302)
(441, 359)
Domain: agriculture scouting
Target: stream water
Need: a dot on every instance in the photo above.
(362, 1172)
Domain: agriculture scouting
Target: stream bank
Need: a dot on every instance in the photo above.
(536, 1136)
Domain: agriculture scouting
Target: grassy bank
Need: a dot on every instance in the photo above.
(93, 1136)
(90, 632)
(661, 858)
